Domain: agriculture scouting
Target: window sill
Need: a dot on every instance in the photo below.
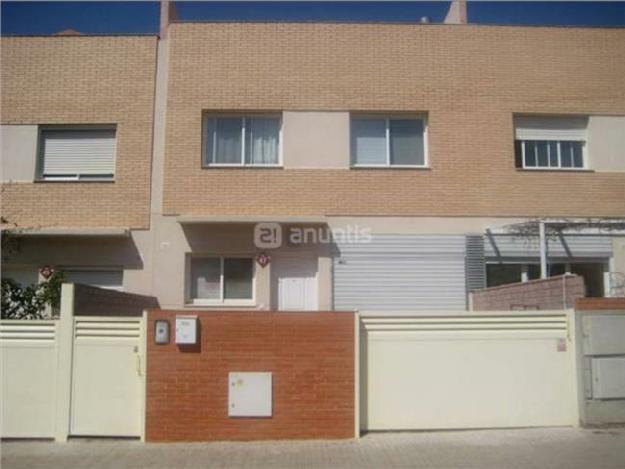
(390, 167)
(74, 181)
(242, 166)
(555, 170)
(221, 304)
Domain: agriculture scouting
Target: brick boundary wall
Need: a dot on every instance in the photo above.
(94, 301)
(598, 304)
(539, 294)
(311, 356)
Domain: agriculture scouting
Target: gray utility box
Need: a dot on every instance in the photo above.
(601, 355)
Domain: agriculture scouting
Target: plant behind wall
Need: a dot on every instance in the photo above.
(31, 301)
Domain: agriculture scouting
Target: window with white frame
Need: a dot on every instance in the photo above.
(242, 140)
(545, 142)
(380, 141)
(80, 153)
(221, 279)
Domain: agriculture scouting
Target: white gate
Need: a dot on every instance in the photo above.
(107, 381)
(477, 370)
(29, 353)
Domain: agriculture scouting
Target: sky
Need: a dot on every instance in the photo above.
(143, 17)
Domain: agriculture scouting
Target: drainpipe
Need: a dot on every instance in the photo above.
(543, 249)
(457, 13)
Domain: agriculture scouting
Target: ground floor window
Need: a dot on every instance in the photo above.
(221, 279)
(503, 273)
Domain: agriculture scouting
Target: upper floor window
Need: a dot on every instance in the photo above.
(242, 140)
(378, 141)
(79, 153)
(550, 142)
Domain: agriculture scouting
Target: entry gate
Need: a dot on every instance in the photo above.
(107, 381)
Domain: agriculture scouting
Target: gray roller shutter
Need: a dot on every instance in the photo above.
(401, 273)
(78, 153)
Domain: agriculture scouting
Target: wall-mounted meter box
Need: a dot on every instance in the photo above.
(186, 330)
(161, 331)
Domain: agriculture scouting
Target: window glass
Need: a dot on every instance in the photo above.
(226, 140)
(542, 156)
(238, 277)
(502, 274)
(576, 149)
(406, 143)
(530, 154)
(566, 154)
(261, 140)
(369, 141)
(205, 278)
(553, 154)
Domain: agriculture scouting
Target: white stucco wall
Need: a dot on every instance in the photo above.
(19, 152)
(606, 143)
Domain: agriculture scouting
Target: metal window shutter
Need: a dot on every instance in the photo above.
(78, 152)
(401, 273)
(475, 264)
(550, 128)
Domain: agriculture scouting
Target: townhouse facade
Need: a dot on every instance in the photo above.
(146, 164)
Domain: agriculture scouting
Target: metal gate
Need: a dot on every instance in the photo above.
(107, 377)
(477, 370)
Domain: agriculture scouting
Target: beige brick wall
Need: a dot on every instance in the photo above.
(83, 80)
(469, 79)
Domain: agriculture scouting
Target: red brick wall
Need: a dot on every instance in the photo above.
(535, 294)
(592, 304)
(311, 356)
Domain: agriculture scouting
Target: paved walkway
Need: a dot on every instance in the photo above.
(527, 448)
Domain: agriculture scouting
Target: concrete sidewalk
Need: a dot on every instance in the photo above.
(565, 448)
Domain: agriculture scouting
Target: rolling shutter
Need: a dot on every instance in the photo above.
(570, 128)
(78, 153)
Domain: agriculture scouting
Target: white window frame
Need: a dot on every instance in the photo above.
(221, 301)
(558, 144)
(387, 119)
(73, 177)
(206, 163)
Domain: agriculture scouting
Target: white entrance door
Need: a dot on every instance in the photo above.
(297, 283)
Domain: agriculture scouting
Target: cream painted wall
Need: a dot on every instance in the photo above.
(19, 152)
(315, 139)
(606, 143)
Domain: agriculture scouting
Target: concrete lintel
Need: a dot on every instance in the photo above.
(60, 231)
(207, 219)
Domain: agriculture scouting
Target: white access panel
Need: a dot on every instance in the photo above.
(249, 394)
(186, 329)
(604, 334)
(608, 377)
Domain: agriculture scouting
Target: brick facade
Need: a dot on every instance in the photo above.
(83, 80)
(598, 304)
(559, 292)
(470, 79)
(311, 356)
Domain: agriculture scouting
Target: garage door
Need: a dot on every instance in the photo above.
(467, 371)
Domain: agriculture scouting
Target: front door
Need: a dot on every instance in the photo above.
(297, 283)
